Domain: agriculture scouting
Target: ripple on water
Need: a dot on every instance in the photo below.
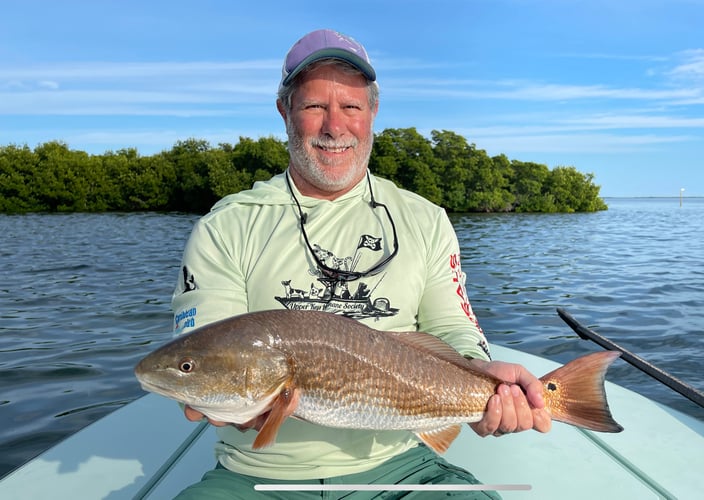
(85, 296)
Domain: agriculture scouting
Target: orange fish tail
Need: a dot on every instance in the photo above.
(575, 394)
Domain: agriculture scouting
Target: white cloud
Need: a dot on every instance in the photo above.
(136, 102)
(692, 68)
(615, 57)
(572, 143)
(117, 70)
(48, 84)
(188, 89)
(625, 121)
(531, 91)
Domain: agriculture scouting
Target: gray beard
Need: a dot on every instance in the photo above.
(313, 172)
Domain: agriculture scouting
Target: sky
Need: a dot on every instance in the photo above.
(614, 88)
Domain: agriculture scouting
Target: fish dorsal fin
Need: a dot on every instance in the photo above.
(440, 439)
(432, 345)
(281, 408)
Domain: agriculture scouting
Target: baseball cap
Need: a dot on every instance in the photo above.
(325, 44)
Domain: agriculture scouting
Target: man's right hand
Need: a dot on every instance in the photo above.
(196, 416)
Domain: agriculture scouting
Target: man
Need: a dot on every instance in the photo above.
(327, 235)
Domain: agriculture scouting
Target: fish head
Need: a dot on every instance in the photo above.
(226, 377)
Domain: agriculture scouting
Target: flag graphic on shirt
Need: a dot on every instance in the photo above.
(369, 242)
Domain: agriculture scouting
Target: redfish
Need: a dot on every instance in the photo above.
(337, 372)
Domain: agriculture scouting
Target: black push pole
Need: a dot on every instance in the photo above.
(662, 376)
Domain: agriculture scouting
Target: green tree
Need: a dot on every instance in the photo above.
(17, 165)
(385, 157)
(574, 191)
(410, 156)
(528, 184)
(262, 158)
(487, 185)
(116, 169)
(224, 177)
(192, 176)
(138, 182)
(452, 168)
(97, 184)
(192, 161)
(60, 181)
(249, 161)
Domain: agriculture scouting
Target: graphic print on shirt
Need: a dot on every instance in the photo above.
(352, 298)
(459, 277)
(189, 281)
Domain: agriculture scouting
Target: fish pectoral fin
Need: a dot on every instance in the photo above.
(440, 439)
(281, 408)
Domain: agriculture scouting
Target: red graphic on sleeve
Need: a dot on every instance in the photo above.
(459, 278)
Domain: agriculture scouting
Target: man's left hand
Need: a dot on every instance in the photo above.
(517, 405)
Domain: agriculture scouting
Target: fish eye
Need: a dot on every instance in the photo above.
(186, 365)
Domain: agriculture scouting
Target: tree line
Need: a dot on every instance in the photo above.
(193, 175)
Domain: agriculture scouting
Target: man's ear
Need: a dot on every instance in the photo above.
(281, 108)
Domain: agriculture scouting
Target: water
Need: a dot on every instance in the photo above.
(634, 274)
(83, 297)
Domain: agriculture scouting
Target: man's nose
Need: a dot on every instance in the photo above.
(334, 122)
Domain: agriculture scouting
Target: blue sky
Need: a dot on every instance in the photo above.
(612, 87)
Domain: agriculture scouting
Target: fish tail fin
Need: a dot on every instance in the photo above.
(575, 393)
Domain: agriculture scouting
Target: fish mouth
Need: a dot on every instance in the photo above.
(159, 389)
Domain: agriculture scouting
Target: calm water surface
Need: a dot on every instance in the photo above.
(83, 297)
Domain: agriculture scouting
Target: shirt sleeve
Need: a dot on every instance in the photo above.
(445, 310)
(211, 285)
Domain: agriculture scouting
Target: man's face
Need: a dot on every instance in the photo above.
(330, 131)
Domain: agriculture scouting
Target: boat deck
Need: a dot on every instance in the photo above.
(147, 449)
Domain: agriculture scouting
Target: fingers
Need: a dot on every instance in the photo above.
(516, 415)
(196, 416)
(509, 416)
(530, 405)
(532, 387)
(509, 411)
(492, 417)
(522, 415)
(542, 421)
(192, 415)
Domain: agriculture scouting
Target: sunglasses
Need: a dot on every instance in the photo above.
(341, 274)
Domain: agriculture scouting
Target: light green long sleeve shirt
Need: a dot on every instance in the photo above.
(248, 254)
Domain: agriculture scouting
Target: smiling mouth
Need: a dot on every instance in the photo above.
(334, 150)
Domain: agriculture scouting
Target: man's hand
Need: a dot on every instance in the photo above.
(196, 416)
(517, 405)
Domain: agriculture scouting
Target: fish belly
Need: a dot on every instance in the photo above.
(375, 417)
